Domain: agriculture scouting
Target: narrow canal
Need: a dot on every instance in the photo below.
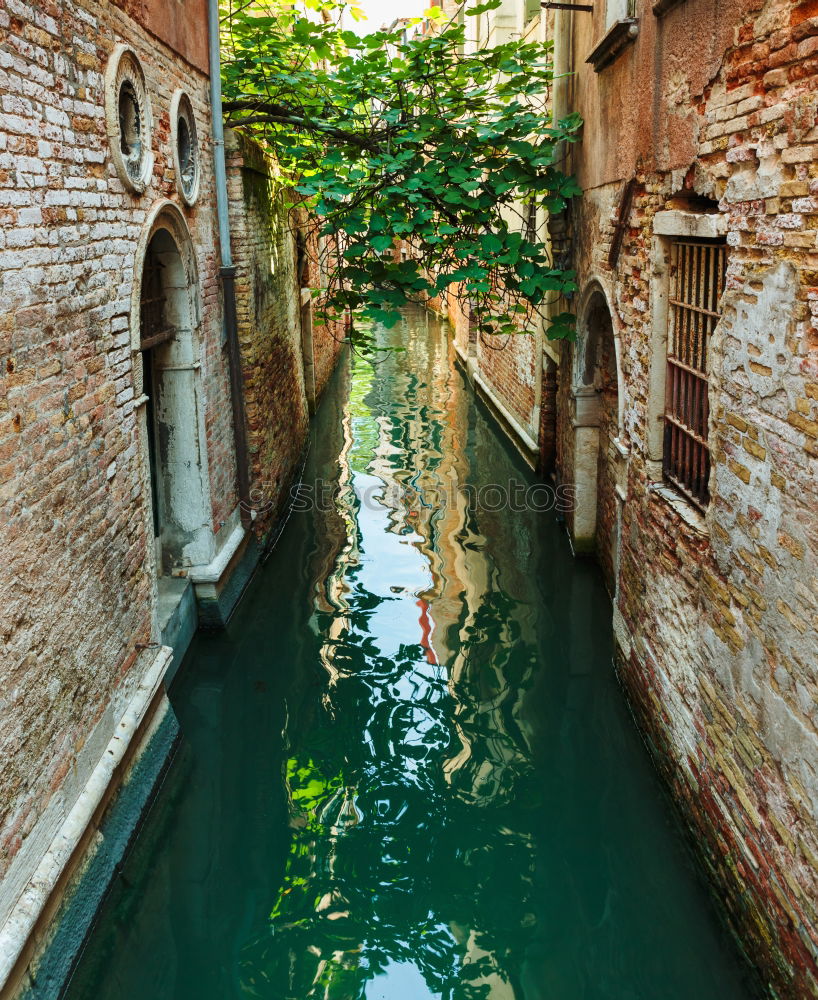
(407, 771)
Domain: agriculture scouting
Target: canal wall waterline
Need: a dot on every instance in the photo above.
(690, 788)
(50, 941)
(51, 921)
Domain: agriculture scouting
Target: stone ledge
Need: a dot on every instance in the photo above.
(109, 842)
(686, 511)
(213, 571)
(522, 440)
(674, 222)
(661, 7)
(619, 36)
(32, 911)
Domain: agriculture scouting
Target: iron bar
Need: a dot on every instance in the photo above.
(698, 270)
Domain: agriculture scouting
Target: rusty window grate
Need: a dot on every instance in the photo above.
(153, 328)
(697, 282)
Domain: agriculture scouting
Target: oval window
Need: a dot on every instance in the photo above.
(130, 129)
(185, 147)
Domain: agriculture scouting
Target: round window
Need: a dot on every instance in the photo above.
(128, 118)
(185, 147)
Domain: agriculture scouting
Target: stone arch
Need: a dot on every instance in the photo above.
(166, 215)
(598, 320)
(598, 424)
(165, 339)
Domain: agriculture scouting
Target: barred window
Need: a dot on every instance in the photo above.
(697, 282)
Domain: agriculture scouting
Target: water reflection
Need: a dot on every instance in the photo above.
(411, 789)
(408, 772)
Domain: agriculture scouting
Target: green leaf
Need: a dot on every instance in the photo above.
(491, 243)
(481, 8)
(382, 243)
(461, 138)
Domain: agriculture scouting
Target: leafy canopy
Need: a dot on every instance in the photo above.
(414, 134)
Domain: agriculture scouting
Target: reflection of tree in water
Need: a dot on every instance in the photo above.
(390, 860)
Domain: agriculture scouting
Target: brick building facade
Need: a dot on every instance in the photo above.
(119, 505)
(687, 421)
(288, 357)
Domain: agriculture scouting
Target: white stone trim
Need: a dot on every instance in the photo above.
(213, 571)
(596, 284)
(165, 214)
(700, 226)
(657, 377)
(124, 67)
(521, 432)
(35, 894)
(184, 363)
(686, 511)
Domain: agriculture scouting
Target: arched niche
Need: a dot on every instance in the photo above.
(598, 412)
(597, 358)
(165, 322)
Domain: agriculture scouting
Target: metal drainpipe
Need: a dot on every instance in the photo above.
(227, 271)
(561, 101)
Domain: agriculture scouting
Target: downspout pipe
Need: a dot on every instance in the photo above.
(227, 270)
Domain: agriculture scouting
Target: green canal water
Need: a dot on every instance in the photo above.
(406, 769)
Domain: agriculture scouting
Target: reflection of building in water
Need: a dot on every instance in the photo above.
(331, 530)
(470, 626)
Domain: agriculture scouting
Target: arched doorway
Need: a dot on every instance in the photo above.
(167, 286)
(597, 457)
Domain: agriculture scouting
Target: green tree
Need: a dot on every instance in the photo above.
(409, 135)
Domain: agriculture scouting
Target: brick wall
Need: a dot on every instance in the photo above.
(507, 371)
(263, 224)
(77, 579)
(327, 344)
(716, 617)
(508, 365)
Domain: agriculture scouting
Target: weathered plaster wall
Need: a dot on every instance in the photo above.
(77, 584)
(646, 105)
(716, 617)
(181, 25)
